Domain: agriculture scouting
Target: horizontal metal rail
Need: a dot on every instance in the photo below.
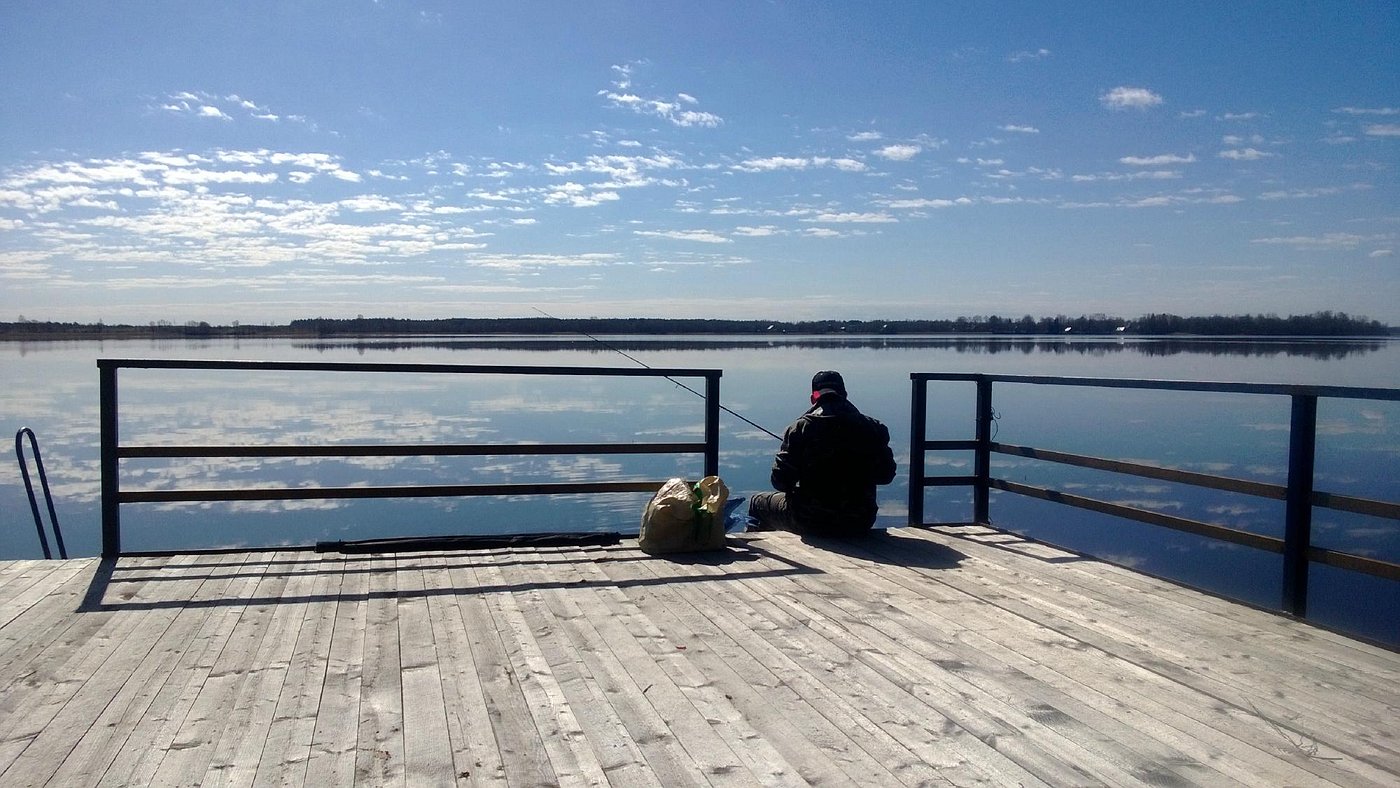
(113, 452)
(400, 491)
(1298, 495)
(1288, 389)
(1224, 534)
(409, 450)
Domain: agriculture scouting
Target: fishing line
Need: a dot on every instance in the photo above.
(639, 362)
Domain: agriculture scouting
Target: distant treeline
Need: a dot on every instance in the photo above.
(1319, 324)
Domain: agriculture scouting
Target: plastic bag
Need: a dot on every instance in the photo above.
(682, 518)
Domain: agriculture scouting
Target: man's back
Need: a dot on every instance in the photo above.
(825, 474)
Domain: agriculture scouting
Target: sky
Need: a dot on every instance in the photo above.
(265, 161)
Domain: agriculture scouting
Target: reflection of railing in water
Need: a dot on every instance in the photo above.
(1299, 496)
(113, 452)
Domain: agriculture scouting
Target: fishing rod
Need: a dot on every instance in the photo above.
(639, 362)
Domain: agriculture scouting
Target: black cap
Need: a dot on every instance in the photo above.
(828, 381)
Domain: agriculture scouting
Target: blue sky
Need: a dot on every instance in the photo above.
(789, 160)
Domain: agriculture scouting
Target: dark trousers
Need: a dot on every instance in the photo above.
(776, 511)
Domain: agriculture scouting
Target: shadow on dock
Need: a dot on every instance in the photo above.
(113, 585)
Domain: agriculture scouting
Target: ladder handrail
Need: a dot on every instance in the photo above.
(29, 488)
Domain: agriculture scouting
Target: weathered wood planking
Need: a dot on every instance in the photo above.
(962, 656)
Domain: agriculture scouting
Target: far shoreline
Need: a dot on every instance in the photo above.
(1321, 325)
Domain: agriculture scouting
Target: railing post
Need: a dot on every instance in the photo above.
(111, 485)
(1297, 530)
(982, 469)
(712, 423)
(918, 426)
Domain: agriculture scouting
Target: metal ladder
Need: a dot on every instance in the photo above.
(29, 488)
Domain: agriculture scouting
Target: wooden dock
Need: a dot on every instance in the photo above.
(957, 656)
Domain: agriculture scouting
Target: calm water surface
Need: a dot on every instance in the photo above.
(52, 388)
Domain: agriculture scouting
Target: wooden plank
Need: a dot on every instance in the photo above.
(379, 750)
(334, 738)
(475, 756)
(110, 730)
(68, 666)
(1154, 681)
(42, 624)
(925, 730)
(618, 756)
(149, 735)
(288, 746)
(185, 758)
(33, 649)
(570, 757)
(695, 714)
(36, 585)
(427, 745)
(1186, 658)
(821, 752)
(977, 693)
(87, 740)
(1322, 644)
(731, 614)
(869, 662)
(1183, 642)
(518, 742)
(22, 571)
(612, 683)
(246, 724)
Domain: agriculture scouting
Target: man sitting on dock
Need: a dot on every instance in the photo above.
(831, 460)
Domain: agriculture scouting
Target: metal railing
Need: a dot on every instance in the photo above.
(113, 451)
(23, 433)
(1298, 495)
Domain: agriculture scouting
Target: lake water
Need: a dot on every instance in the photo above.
(52, 388)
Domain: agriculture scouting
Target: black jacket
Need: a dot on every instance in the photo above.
(830, 462)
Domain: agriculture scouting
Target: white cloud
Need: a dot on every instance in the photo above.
(1022, 56)
(1141, 175)
(757, 232)
(866, 136)
(1382, 130)
(1368, 110)
(577, 195)
(773, 163)
(1124, 97)
(852, 217)
(1231, 116)
(1325, 241)
(673, 111)
(1158, 161)
(1381, 253)
(1245, 154)
(208, 105)
(700, 236)
(899, 152)
(1020, 129)
(370, 203)
(924, 202)
(542, 261)
(1300, 194)
(188, 176)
